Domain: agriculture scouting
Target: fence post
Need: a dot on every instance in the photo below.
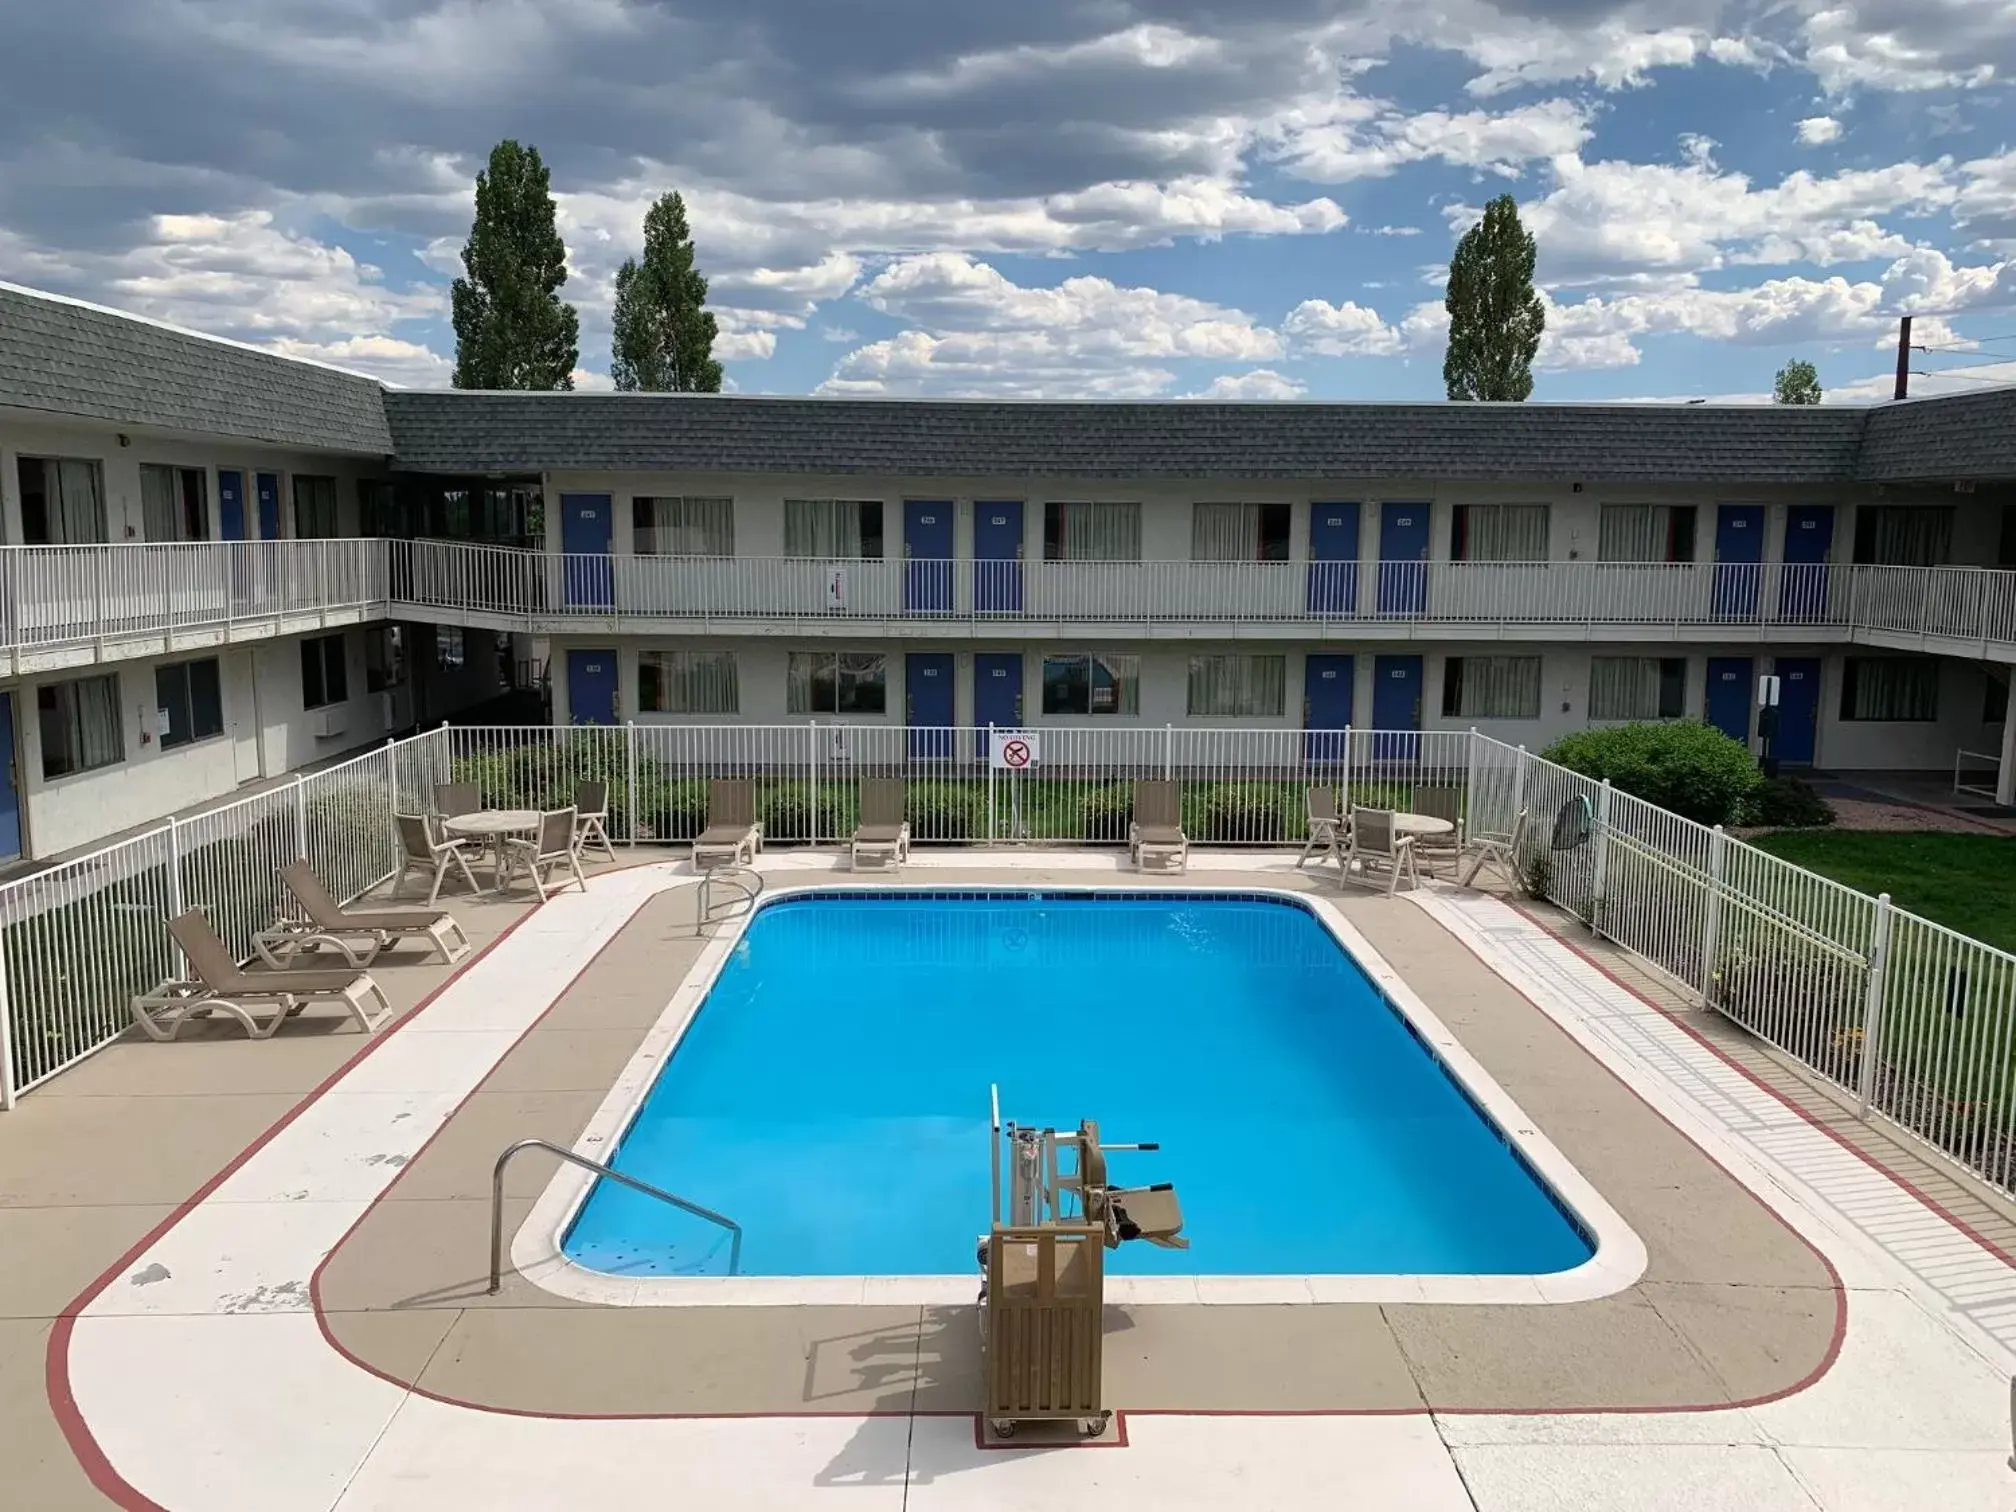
(7, 1077)
(1601, 876)
(990, 782)
(1168, 752)
(1518, 784)
(175, 904)
(1347, 769)
(1470, 777)
(812, 780)
(630, 775)
(1872, 1006)
(1711, 923)
(301, 803)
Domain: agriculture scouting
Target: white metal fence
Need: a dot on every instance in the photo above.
(1915, 1021)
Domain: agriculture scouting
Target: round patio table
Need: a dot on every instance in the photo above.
(493, 827)
(1421, 824)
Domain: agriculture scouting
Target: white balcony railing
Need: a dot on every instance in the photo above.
(127, 600)
(58, 596)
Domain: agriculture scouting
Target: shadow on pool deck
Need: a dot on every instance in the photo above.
(1733, 1306)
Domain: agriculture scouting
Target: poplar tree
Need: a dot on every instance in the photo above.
(663, 340)
(1495, 318)
(512, 329)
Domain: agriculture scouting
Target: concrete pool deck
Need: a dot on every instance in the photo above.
(1721, 1362)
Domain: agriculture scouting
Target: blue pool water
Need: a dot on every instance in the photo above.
(831, 1094)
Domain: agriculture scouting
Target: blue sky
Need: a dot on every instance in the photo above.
(1057, 199)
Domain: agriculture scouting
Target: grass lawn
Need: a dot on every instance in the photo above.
(1966, 882)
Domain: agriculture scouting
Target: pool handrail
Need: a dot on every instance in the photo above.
(732, 875)
(497, 1203)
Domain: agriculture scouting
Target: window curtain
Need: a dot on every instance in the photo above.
(1506, 533)
(100, 741)
(1099, 532)
(823, 529)
(314, 508)
(1116, 685)
(1898, 689)
(798, 680)
(1225, 533)
(689, 682)
(1633, 533)
(160, 503)
(1624, 687)
(76, 509)
(1238, 686)
(1500, 687)
(1904, 535)
(701, 528)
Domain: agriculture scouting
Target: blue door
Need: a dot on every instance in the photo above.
(1333, 559)
(1327, 685)
(10, 800)
(1809, 541)
(997, 557)
(269, 506)
(997, 691)
(591, 687)
(1798, 709)
(927, 557)
(585, 521)
(928, 704)
(1396, 706)
(230, 505)
(1729, 695)
(1739, 557)
(1403, 559)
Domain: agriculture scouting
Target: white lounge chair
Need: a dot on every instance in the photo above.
(1324, 821)
(882, 838)
(356, 934)
(552, 845)
(1155, 837)
(219, 985)
(732, 837)
(1376, 845)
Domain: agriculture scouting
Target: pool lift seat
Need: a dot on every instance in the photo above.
(1043, 1259)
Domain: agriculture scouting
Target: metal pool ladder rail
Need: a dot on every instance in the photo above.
(743, 903)
(497, 1204)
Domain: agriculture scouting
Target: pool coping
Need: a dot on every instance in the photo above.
(1618, 1261)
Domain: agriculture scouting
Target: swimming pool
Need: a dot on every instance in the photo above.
(831, 1094)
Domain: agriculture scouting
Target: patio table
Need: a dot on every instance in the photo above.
(493, 827)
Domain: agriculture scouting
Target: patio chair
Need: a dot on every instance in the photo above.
(591, 817)
(1324, 819)
(882, 838)
(1440, 803)
(1377, 845)
(421, 852)
(356, 934)
(1499, 850)
(218, 984)
(454, 799)
(1155, 838)
(552, 845)
(732, 835)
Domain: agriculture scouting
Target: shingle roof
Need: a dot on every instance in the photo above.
(468, 432)
(67, 358)
(1954, 436)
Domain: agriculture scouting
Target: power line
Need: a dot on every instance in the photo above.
(1958, 373)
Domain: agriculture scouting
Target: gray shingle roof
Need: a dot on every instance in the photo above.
(72, 359)
(465, 432)
(1954, 436)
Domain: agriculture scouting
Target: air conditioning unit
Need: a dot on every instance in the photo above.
(328, 723)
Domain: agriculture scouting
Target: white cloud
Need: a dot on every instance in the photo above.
(745, 346)
(1354, 142)
(973, 331)
(1396, 230)
(1817, 131)
(1906, 47)
(1256, 386)
(838, 333)
(1318, 328)
(588, 382)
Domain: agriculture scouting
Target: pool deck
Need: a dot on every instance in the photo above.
(1825, 1318)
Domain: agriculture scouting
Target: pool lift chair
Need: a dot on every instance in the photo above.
(1043, 1296)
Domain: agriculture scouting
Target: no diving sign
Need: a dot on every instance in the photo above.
(1013, 751)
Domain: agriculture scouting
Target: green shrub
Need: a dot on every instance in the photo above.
(672, 810)
(1104, 810)
(1227, 813)
(784, 809)
(1686, 767)
(1784, 803)
(944, 810)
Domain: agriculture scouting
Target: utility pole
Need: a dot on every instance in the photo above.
(1903, 390)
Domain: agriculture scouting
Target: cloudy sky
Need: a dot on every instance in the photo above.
(1251, 199)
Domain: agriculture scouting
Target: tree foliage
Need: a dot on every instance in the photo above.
(512, 330)
(664, 336)
(1798, 382)
(1495, 318)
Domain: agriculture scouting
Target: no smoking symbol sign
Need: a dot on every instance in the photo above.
(1015, 753)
